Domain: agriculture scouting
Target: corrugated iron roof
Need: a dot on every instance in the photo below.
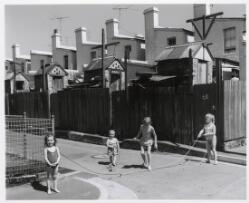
(178, 51)
(97, 63)
(10, 75)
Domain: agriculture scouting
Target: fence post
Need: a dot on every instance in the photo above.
(49, 104)
(220, 105)
(25, 151)
(53, 124)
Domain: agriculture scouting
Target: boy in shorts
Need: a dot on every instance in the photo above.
(148, 134)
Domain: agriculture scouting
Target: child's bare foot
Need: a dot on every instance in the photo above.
(215, 162)
(56, 190)
(49, 192)
(149, 168)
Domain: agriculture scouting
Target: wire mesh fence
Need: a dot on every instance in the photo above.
(25, 143)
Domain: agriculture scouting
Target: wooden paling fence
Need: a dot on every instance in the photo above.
(35, 104)
(177, 114)
(171, 113)
(234, 110)
(84, 110)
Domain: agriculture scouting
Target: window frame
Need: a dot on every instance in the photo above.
(171, 38)
(18, 83)
(93, 53)
(229, 39)
(65, 61)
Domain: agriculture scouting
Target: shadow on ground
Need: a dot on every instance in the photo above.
(133, 166)
(193, 160)
(104, 163)
(38, 186)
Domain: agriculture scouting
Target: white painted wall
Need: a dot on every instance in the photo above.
(59, 51)
(156, 36)
(36, 61)
(113, 35)
(84, 49)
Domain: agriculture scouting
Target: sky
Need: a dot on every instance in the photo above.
(31, 26)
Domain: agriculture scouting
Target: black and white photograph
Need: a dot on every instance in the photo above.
(124, 101)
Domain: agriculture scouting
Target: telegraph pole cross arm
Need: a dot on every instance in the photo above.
(205, 32)
(106, 45)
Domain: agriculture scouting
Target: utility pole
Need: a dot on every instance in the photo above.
(203, 35)
(104, 46)
(43, 76)
(126, 57)
(203, 18)
(102, 60)
(14, 73)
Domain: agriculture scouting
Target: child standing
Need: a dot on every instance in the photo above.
(52, 158)
(112, 147)
(147, 133)
(209, 132)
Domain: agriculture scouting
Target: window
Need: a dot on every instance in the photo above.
(142, 45)
(28, 67)
(19, 85)
(229, 40)
(127, 51)
(66, 61)
(93, 55)
(41, 63)
(202, 72)
(171, 41)
(22, 67)
(6, 67)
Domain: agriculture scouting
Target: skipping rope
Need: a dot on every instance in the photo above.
(178, 163)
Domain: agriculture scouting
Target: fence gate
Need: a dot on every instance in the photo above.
(204, 102)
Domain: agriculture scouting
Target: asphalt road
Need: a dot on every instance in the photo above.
(171, 177)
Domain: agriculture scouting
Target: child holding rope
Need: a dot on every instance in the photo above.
(52, 158)
(112, 147)
(209, 132)
(147, 133)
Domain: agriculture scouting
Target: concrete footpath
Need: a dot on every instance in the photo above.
(163, 146)
(172, 177)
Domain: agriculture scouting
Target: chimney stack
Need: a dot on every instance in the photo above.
(151, 20)
(15, 51)
(111, 28)
(56, 39)
(201, 9)
(80, 35)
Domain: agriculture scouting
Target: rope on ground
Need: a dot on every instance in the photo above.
(181, 162)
